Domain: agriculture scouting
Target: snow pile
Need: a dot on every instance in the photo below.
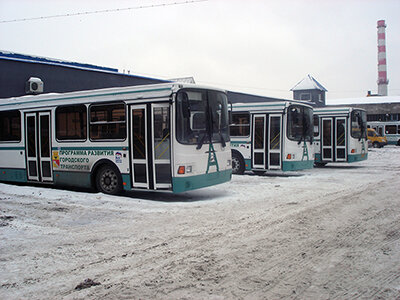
(331, 232)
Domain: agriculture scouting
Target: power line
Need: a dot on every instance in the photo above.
(101, 11)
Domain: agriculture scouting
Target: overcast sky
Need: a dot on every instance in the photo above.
(259, 47)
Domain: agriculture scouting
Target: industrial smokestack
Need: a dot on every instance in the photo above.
(382, 71)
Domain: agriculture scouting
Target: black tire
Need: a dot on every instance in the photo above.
(237, 164)
(376, 145)
(398, 143)
(319, 164)
(109, 180)
(259, 173)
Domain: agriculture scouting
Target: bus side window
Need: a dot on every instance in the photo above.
(240, 124)
(316, 125)
(71, 122)
(391, 129)
(10, 126)
(107, 121)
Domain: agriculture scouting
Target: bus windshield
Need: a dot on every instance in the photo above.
(201, 115)
(358, 124)
(300, 120)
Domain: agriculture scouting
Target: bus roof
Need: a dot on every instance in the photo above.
(136, 92)
(335, 110)
(257, 106)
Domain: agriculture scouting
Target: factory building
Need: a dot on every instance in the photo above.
(25, 74)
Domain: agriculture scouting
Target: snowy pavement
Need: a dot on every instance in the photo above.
(326, 233)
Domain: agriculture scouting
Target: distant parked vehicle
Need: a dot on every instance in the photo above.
(340, 135)
(376, 140)
(390, 129)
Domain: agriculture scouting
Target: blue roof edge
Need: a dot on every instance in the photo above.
(31, 58)
(55, 62)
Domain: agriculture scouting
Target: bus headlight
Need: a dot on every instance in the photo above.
(229, 163)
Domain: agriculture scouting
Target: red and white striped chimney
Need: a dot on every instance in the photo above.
(382, 71)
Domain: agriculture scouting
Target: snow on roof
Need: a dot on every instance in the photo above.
(364, 100)
(51, 61)
(308, 83)
(183, 80)
(63, 63)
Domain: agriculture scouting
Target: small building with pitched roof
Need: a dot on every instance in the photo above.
(310, 90)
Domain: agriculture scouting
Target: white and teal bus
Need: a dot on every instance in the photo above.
(390, 129)
(156, 137)
(340, 135)
(271, 136)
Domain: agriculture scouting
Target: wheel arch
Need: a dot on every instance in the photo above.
(237, 153)
(97, 166)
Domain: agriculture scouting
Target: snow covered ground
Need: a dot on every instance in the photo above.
(326, 233)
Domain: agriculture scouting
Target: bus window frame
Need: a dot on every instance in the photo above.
(316, 133)
(249, 124)
(107, 122)
(87, 124)
(20, 127)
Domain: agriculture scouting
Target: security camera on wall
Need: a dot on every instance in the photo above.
(34, 86)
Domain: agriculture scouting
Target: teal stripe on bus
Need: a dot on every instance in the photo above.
(14, 175)
(83, 179)
(87, 96)
(12, 148)
(357, 157)
(122, 148)
(297, 165)
(240, 142)
(183, 184)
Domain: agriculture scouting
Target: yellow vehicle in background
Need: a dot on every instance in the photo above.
(375, 139)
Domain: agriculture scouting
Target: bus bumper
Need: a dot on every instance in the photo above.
(183, 184)
(297, 165)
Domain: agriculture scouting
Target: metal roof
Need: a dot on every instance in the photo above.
(308, 83)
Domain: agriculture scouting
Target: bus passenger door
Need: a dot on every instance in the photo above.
(327, 137)
(139, 147)
(161, 144)
(274, 141)
(38, 146)
(340, 139)
(259, 144)
(150, 146)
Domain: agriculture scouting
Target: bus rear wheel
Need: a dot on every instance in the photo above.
(108, 180)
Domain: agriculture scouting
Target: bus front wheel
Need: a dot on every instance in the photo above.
(320, 164)
(237, 164)
(108, 180)
(259, 173)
